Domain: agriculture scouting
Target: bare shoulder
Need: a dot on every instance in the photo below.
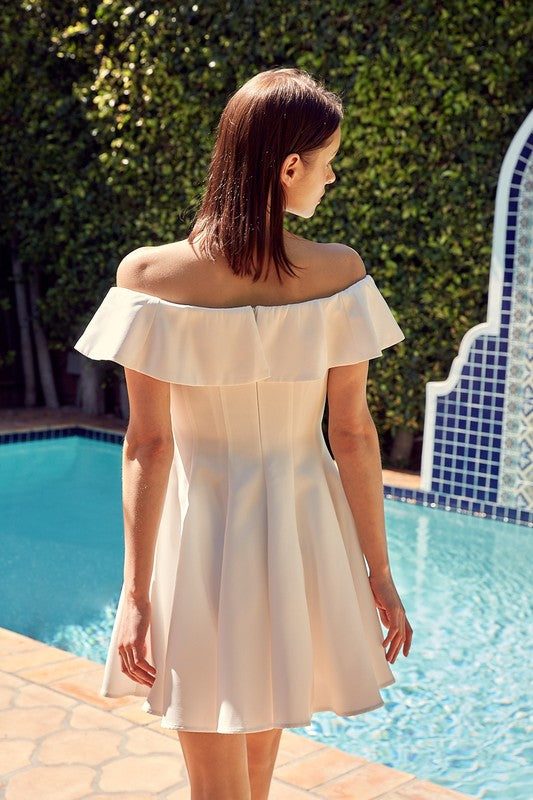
(131, 268)
(334, 265)
(150, 269)
(347, 260)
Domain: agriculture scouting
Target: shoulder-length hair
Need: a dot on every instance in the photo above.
(277, 112)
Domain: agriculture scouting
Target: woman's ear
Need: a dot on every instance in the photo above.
(290, 169)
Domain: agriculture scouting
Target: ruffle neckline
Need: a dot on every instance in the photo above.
(206, 346)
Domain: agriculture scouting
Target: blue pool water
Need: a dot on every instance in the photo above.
(460, 712)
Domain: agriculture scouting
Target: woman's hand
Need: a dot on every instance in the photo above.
(392, 614)
(132, 642)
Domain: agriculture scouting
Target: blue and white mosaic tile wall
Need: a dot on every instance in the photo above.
(478, 435)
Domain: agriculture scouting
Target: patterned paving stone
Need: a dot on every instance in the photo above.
(31, 723)
(10, 680)
(317, 768)
(139, 741)
(32, 696)
(6, 697)
(25, 659)
(121, 796)
(142, 773)
(86, 718)
(49, 673)
(15, 754)
(367, 783)
(11, 641)
(134, 713)
(85, 687)
(80, 747)
(183, 793)
(51, 783)
(282, 791)
(292, 746)
(156, 726)
(423, 790)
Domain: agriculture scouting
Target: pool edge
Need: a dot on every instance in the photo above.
(35, 676)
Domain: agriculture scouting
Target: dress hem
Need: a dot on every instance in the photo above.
(255, 729)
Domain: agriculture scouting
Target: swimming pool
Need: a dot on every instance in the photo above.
(459, 713)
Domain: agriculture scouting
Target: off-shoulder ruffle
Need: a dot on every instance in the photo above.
(200, 346)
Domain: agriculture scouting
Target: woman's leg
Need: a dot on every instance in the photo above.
(217, 765)
(262, 749)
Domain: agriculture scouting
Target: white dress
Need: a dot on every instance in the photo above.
(262, 611)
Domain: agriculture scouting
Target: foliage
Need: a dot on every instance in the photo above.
(120, 103)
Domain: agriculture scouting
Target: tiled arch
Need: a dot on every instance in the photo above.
(478, 434)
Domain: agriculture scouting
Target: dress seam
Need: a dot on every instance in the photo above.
(228, 484)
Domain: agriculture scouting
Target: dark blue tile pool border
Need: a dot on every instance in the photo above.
(462, 505)
(60, 433)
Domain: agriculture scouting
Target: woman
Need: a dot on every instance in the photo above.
(246, 603)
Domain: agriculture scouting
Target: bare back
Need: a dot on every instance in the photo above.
(176, 272)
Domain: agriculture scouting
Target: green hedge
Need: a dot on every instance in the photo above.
(433, 93)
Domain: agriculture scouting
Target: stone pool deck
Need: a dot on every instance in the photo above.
(59, 740)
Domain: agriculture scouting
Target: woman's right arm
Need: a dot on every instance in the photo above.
(147, 457)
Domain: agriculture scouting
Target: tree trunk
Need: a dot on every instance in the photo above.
(402, 448)
(26, 353)
(90, 397)
(41, 346)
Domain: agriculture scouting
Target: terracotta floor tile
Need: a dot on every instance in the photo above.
(7, 697)
(14, 640)
(142, 773)
(10, 680)
(32, 696)
(295, 745)
(84, 687)
(31, 723)
(423, 790)
(140, 741)
(88, 718)
(120, 796)
(80, 747)
(19, 645)
(183, 793)
(51, 673)
(14, 662)
(15, 754)
(156, 726)
(317, 768)
(6, 634)
(282, 791)
(283, 758)
(366, 783)
(134, 713)
(45, 783)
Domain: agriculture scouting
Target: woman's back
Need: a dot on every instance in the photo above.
(178, 273)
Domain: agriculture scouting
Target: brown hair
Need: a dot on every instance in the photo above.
(276, 113)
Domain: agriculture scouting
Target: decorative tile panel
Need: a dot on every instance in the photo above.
(478, 434)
